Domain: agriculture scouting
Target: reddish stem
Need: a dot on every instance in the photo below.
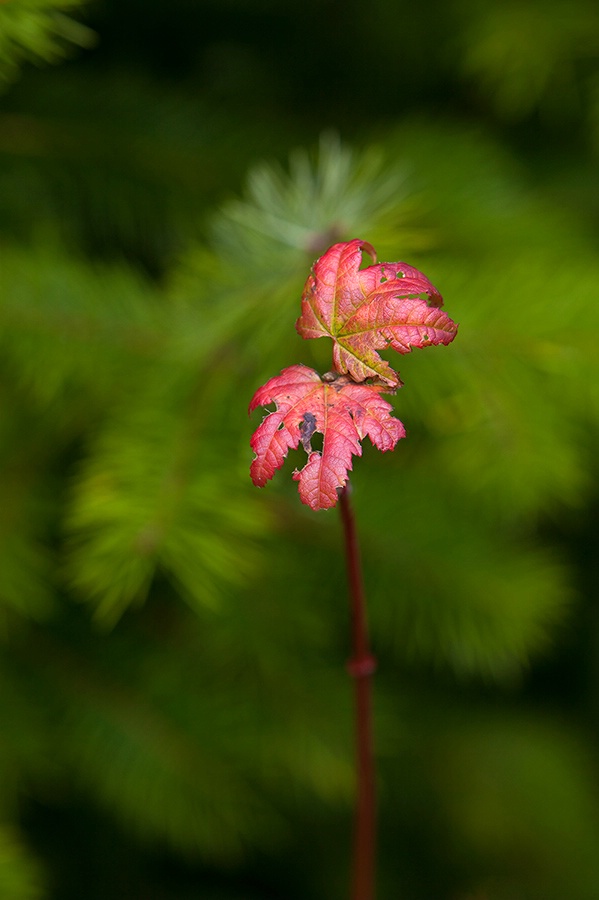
(361, 667)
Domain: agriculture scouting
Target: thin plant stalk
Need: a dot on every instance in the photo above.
(361, 667)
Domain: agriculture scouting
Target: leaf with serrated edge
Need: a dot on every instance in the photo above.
(366, 310)
(341, 410)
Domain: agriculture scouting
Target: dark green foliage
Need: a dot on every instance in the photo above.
(174, 713)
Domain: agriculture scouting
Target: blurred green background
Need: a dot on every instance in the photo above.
(175, 718)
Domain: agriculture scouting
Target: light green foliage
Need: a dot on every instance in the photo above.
(74, 330)
(38, 31)
(20, 874)
(156, 494)
(520, 277)
(477, 599)
(25, 583)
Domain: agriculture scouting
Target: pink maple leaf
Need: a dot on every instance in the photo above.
(336, 407)
(366, 310)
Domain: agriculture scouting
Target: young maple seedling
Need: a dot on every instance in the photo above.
(362, 311)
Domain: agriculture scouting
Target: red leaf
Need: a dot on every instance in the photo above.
(336, 407)
(366, 310)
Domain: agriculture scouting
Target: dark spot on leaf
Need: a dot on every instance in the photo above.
(307, 428)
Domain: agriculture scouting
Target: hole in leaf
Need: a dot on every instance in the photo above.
(317, 441)
(425, 337)
(384, 279)
(399, 274)
(280, 426)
